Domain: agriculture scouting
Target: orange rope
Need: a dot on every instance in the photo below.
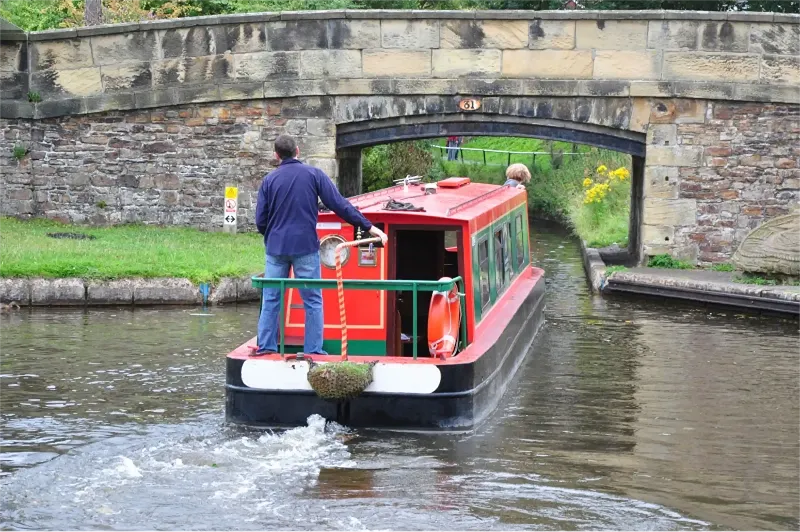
(340, 285)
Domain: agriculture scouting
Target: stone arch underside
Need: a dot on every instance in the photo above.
(369, 133)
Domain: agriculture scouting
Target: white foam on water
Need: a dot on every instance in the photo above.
(113, 483)
(127, 468)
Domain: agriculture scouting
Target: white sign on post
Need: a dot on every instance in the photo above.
(231, 206)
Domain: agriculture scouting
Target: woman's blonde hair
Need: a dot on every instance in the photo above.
(518, 172)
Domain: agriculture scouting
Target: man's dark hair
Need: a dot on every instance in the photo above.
(285, 147)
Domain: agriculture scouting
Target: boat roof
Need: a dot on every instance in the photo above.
(456, 198)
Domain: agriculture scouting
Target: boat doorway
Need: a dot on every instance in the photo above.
(423, 254)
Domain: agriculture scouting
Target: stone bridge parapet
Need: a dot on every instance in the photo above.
(730, 56)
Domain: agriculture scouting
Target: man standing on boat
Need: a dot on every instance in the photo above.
(286, 214)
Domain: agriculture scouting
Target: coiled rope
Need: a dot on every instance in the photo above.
(340, 285)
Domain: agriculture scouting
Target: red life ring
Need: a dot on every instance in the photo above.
(444, 318)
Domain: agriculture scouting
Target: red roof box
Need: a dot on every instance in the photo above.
(453, 182)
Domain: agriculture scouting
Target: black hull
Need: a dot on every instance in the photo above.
(468, 392)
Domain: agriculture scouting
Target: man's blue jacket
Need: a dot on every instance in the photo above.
(287, 208)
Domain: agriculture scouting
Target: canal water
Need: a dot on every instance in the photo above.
(626, 415)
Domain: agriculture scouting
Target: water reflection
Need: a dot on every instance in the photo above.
(627, 414)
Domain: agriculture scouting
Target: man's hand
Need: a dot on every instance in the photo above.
(374, 231)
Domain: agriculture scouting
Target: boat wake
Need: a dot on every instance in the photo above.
(199, 476)
(171, 477)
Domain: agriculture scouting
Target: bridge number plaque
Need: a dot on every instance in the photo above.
(469, 104)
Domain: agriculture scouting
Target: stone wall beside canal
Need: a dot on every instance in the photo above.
(80, 292)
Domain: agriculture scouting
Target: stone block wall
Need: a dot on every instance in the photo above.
(166, 166)
(714, 172)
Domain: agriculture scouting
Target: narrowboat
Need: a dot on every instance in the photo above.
(446, 312)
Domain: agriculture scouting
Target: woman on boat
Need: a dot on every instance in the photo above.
(516, 175)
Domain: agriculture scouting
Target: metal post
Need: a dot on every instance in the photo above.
(484, 157)
(509, 159)
(414, 321)
(534, 160)
(283, 289)
(462, 290)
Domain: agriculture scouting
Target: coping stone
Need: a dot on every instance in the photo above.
(323, 14)
(242, 18)
(751, 17)
(225, 291)
(376, 13)
(17, 289)
(789, 18)
(52, 35)
(119, 292)
(58, 292)
(107, 29)
(165, 291)
(441, 14)
(245, 291)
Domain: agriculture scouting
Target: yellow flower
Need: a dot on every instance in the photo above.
(587, 182)
(602, 169)
(596, 193)
(621, 173)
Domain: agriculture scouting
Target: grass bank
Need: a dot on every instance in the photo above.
(558, 187)
(125, 251)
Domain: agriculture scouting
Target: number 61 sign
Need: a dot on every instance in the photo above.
(469, 104)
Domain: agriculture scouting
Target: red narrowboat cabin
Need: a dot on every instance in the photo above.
(456, 266)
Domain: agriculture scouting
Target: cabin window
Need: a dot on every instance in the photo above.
(520, 238)
(483, 264)
(502, 257)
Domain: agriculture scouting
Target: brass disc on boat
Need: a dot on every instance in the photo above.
(340, 380)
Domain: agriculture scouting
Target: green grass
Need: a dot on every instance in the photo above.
(766, 280)
(722, 267)
(666, 261)
(555, 191)
(126, 251)
(615, 269)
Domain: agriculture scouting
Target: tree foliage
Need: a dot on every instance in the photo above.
(36, 15)
(382, 165)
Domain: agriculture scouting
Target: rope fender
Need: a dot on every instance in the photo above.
(340, 285)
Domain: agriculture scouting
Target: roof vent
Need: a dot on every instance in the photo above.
(453, 182)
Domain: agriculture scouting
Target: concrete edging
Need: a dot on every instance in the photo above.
(660, 283)
(594, 266)
(161, 291)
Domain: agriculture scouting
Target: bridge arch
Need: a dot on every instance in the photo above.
(352, 137)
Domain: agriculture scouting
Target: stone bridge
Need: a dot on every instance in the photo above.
(148, 122)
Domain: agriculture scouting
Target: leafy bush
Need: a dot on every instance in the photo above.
(382, 165)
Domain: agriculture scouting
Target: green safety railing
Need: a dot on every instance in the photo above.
(356, 284)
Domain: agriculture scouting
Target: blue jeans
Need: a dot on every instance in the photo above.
(305, 267)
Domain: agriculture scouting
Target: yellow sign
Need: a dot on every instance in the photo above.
(231, 193)
(470, 104)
